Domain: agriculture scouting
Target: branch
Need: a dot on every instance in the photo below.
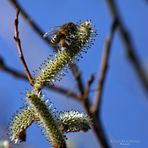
(97, 124)
(78, 78)
(96, 107)
(11, 71)
(34, 26)
(18, 43)
(131, 52)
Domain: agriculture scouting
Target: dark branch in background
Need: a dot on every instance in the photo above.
(77, 75)
(96, 107)
(97, 123)
(11, 71)
(18, 43)
(131, 52)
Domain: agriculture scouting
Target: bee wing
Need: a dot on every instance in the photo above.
(52, 31)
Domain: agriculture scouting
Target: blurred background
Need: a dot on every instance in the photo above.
(125, 100)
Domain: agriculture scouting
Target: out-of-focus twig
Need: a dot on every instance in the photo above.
(131, 52)
(77, 75)
(97, 124)
(18, 43)
(96, 107)
(11, 71)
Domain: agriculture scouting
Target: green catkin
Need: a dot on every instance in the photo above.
(47, 119)
(68, 121)
(20, 122)
(74, 121)
(82, 40)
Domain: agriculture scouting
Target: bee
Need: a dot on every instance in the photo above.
(62, 35)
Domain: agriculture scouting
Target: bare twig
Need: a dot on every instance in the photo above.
(77, 75)
(65, 92)
(131, 52)
(97, 126)
(34, 26)
(103, 72)
(18, 43)
(13, 72)
(97, 123)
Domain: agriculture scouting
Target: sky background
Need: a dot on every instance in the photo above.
(125, 104)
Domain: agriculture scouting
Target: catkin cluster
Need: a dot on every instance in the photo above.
(38, 110)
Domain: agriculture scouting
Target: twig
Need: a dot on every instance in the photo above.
(18, 43)
(34, 26)
(65, 92)
(97, 124)
(77, 75)
(96, 107)
(131, 52)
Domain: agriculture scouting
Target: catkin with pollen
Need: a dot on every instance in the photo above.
(82, 39)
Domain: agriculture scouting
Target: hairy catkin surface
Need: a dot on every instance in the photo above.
(47, 118)
(81, 41)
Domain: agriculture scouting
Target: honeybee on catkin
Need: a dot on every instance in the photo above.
(62, 35)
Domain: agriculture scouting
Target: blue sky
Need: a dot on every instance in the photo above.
(125, 104)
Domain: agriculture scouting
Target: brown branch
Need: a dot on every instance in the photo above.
(77, 75)
(97, 124)
(130, 50)
(65, 92)
(18, 43)
(34, 26)
(96, 107)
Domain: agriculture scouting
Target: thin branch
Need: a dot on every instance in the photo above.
(96, 107)
(34, 26)
(131, 52)
(78, 78)
(65, 92)
(11, 71)
(88, 86)
(97, 124)
(18, 43)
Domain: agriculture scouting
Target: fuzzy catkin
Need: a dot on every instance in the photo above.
(20, 122)
(82, 39)
(74, 121)
(47, 119)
